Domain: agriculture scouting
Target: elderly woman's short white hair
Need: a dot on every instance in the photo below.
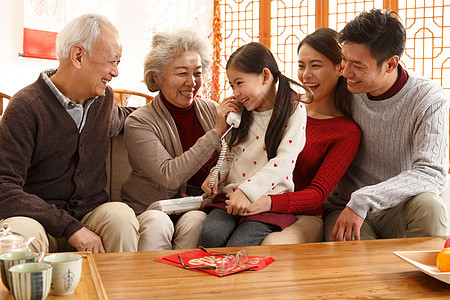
(83, 31)
(168, 46)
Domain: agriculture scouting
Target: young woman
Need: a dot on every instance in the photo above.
(263, 150)
(332, 139)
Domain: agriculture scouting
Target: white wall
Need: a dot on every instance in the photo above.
(136, 20)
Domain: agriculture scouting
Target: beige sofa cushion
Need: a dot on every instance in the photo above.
(117, 167)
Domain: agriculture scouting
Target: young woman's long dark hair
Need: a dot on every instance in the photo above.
(253, 58)
(324, 41)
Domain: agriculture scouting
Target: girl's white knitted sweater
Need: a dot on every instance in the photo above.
(246, 166)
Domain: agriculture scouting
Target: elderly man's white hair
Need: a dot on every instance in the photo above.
(84, 31)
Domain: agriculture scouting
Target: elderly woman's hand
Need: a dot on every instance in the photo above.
(205, 186)
(227, 105)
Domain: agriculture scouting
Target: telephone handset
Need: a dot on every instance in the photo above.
(234, 119)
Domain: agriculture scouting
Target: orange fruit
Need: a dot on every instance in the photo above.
(443, 260)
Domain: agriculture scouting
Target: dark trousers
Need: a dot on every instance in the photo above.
(222, 230)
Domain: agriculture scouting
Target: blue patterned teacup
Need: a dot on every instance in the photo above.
(8, 260)
(31, 281)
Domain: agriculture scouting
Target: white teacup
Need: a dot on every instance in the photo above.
(66, 272)
(8, 260)
(30, 281)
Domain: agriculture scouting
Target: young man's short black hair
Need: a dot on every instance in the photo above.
(380, 29)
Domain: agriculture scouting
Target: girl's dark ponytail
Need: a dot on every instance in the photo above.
(282, 110)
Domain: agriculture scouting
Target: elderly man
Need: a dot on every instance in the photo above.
(54, 139)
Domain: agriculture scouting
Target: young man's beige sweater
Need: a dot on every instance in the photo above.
(404, 150)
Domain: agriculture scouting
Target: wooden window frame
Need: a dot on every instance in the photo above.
(322, 19)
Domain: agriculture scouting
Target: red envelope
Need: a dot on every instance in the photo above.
(199, 258)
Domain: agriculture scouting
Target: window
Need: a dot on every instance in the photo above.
(281, 24)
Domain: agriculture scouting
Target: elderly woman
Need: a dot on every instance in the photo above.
(172, 142)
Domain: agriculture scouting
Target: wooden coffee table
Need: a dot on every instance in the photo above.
(340, 270)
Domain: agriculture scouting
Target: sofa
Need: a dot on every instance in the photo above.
(118, 169)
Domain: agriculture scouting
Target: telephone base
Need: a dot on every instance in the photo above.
(177, 206)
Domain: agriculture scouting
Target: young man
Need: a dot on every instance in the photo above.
(54, 139)
(392, 187)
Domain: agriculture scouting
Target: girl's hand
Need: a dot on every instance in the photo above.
(205, 185)
(261, 205)
(237, 202)
(227, 105)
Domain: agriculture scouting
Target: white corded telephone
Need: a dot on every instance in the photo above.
(177, 206)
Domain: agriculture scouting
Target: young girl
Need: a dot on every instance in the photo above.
(332, 138)
(263, 150)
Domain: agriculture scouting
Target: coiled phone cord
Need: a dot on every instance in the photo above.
(223, 151)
